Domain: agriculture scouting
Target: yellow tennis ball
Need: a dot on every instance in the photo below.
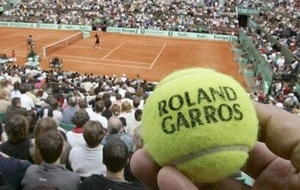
(200, 121)
(181, 72)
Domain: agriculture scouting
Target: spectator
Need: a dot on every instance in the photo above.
(27, 102)
(4, 102)
(82, 104)
(14, 74)
(97, 116)
(6, 85)
(16, 90)
(128, 113)
(18, 142)
(87, 160)
(32, 120)
(140, 95)
(128, 98)
(44, 125)
(107, 112)
(14, 109)
(258, 80)
(115, 157)
(69, 111)
(118, 100)
(50, 172)
(42, 95)
(57, 114)
(138, 144)
(12, 171)
(57, 94)
(75, 137)
(294, 65)
(137, 138)
(114, 129)
(90, 96)
(116, 111)
(136, 102)
(93, 101)
(138, 115)
(29, 92)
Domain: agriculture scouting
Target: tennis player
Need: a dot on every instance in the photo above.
(97, 42)
(29, 42)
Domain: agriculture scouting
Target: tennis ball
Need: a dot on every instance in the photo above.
(187, 71)
(200, 121)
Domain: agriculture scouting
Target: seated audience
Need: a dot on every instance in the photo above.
(97, 116)
(50, 172)
(69, 111)
(4, 102)
(26, 101)
(114, 129)
(107, 112)
(115, 157)
(116, 111)
(87, 160)
(57, 114)
(16, 90)
(14, 109)
(128, 113)
(75, 137)
(138, 144)
(32, 121)
(82, 104)
(44, 125)
(18, 142)
(12, 171)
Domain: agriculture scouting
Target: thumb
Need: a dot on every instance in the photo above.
(280, 132)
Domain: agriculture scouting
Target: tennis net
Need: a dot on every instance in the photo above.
(47, 50)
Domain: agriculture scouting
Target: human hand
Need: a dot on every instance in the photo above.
(274, 162)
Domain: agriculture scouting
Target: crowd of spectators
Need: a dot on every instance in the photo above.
(192, 15)
(284, 29)
(100, 110)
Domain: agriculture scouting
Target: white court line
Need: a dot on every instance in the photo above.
(112, 51)
(158, 56)
(101, 63)
(129, 41)
(142, 63)
(89, 39)
(84, 47)
(97, 59)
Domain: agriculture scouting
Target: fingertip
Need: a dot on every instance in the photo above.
(144, 168)
(170, 178)
(295, 157)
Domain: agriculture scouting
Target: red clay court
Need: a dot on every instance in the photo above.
(150, 57)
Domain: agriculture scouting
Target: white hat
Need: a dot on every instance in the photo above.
(279, 104)
(60, 77)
